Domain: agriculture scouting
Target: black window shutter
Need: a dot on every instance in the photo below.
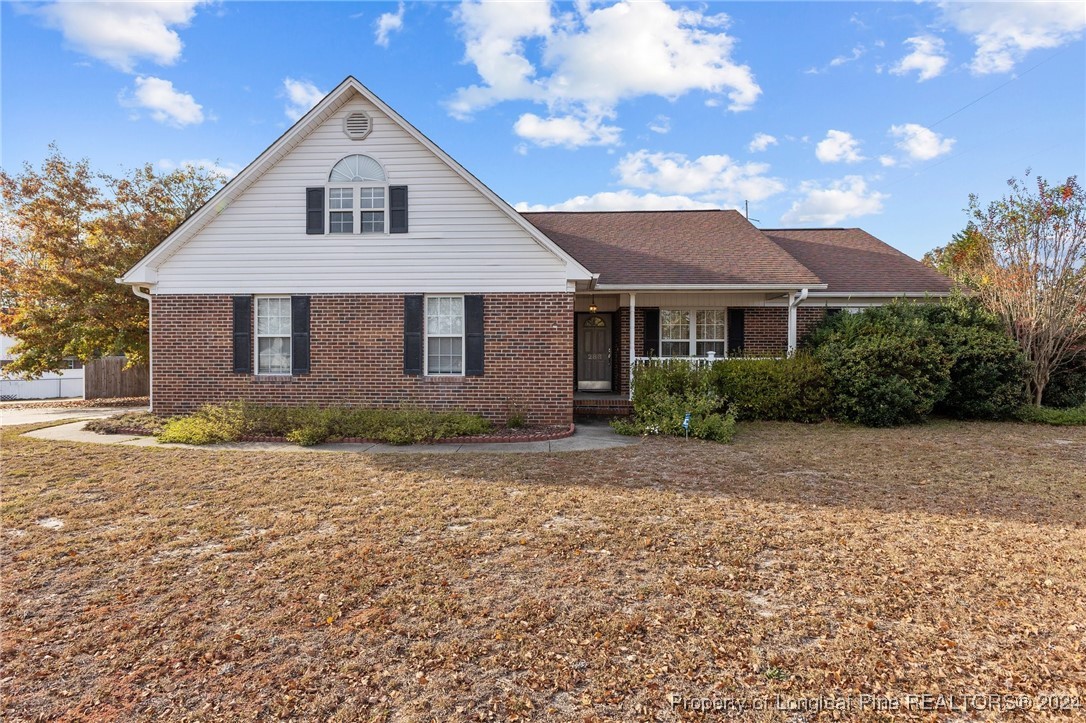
(473, 336)
(412, 335)
(299, 334)
(243, 335)
(397, 209)
(314, 210)
(736, 319)
(652, 333)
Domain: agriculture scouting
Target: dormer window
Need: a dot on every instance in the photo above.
(357, 182)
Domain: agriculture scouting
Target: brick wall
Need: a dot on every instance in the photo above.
(765, 330)
(807, 318)
(357, 358)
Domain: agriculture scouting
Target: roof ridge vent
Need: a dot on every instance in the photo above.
(357, 125)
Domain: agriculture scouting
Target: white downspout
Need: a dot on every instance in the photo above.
(633, 327)
(150, 356)
(793, 302)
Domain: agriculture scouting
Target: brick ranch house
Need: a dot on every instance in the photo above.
(355, 263)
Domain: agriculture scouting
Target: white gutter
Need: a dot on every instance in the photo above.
(702, 287)
(878, 294)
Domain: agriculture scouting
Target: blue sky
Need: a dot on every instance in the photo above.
(879, 115)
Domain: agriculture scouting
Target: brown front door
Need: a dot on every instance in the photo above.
(594, 352)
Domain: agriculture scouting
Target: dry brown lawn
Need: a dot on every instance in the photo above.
(799, 562)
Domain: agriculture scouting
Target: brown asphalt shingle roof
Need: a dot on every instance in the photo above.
(671, 247)
(852, 260)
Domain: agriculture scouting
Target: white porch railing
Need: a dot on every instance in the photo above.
(696, 361)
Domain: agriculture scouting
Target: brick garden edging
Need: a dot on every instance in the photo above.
(545, 434)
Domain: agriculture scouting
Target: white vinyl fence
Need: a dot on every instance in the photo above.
(66, 383)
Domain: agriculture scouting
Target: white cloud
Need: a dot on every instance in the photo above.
(122, 33)
(857, 52)
(387, 24)
(1005, 32)
(166, 104)
(848, 197)
(226, 170)
(567, 131)
(711, 178)
(590, 59)
(928, 57)
(887, 161)
(619, 201)
(760, 142)
(920, 143)
(301, 95)
(837, 147)
(661, 124)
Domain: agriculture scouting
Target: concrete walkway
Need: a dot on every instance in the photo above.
(589, 435)
(36, 415)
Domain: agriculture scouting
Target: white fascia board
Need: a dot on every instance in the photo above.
(574, 270)
(706, 287)
(140, 274)
(243, 180)
(877, 295)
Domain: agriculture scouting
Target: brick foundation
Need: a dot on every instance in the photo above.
(357, 358)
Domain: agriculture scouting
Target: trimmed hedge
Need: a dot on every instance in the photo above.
(794, 389)
(311, 425)
(1067, 417)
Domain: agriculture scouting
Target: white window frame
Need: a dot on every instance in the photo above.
(689, 333)
(692, 332)
(356, 208)
(426, 335)
(257, 336)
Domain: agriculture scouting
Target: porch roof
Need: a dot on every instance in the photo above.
(852, 260)
(673, 248)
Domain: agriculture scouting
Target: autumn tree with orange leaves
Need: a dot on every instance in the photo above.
(67, 234)
(1030, 268)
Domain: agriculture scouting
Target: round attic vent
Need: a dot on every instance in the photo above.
(357, 126)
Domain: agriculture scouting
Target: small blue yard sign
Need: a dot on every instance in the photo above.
(686, 423)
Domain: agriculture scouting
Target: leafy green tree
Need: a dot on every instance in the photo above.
(68, 233)
(964, 258)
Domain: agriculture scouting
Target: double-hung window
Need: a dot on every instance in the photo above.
(693, 333)
(711, 328)
(674, 332)
(341, 210)
(444, 335)
(372, 203)
(357, 182)
(273, 335)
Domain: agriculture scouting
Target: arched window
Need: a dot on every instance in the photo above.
(357, 182)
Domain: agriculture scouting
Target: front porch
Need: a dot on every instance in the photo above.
(611, 330)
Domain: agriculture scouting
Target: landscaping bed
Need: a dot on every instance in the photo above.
(241, 423)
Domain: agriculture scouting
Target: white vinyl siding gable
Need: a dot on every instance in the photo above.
(459, 241)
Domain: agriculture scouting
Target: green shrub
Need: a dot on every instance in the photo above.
(312, 425)
(1067, 386)
(793, 389)
(1069, 417)
(665, 392)
(884, 366)
(987, 369)
(208, 425)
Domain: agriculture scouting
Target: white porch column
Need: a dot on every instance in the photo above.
(633, 327)
(793, 304)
